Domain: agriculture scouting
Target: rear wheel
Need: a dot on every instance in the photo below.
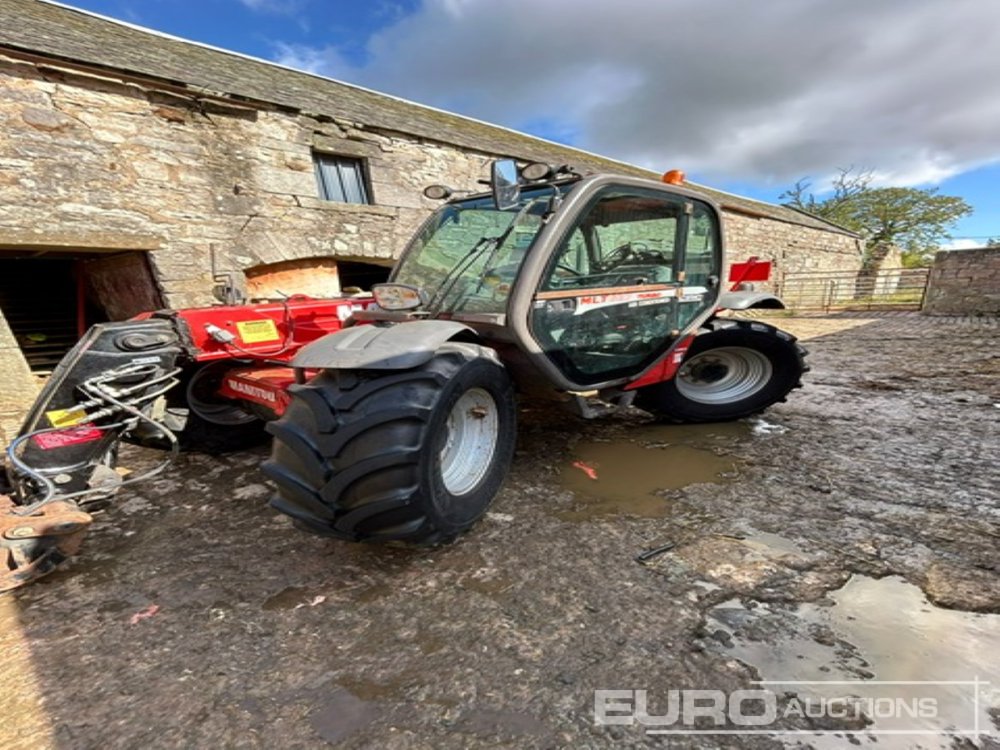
(415, 455)
(214, 424)
(736, 369)
(202, 420)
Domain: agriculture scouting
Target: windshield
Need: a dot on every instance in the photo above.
(467, 256)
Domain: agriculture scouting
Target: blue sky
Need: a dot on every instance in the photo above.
(745, 99)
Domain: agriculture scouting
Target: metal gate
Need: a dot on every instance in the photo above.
(889, 289)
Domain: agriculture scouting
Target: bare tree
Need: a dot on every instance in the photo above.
(849, 183)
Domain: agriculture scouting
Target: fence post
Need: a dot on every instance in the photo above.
(927, 282)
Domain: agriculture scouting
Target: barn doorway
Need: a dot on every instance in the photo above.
(361, 275)
(50, 299)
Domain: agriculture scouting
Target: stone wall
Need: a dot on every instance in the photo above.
(91, 162)
(964, 282)
(18, 386)
(792, 248)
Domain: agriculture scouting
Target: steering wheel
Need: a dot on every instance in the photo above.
(622, 253)
(568, 269)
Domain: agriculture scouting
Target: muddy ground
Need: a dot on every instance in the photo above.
(799, 551)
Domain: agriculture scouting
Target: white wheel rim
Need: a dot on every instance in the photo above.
(473, 429)
(724, 375)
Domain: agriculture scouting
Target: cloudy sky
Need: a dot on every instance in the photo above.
(746, 96)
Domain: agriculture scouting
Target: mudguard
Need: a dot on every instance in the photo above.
(748, 300)
(396, 347)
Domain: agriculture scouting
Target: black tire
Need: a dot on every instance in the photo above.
(230, 429)
(735, 369)
(201, 436)
(358, 454)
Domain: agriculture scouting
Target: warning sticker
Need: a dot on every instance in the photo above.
(258, 331)
(74, 436)
(65, 417)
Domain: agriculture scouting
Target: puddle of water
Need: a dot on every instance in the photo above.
(657, 457)
(877, 630)
(765, 540)
(494, 587)
(289, 597)
(761, 426)
(374, 692)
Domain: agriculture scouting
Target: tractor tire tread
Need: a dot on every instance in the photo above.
(347, 452)
(649, 400)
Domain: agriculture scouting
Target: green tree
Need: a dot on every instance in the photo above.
(917, 260)
(913, 220)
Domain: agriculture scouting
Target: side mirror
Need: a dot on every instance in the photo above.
(503, 181)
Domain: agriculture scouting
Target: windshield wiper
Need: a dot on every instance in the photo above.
(451, 278)
(503, 238)
(493, 244)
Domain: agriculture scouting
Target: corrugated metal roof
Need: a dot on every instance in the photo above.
(70, 34)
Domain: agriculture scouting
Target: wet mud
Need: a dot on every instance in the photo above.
(856, 526)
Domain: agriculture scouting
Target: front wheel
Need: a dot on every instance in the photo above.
(415, 455)
(735, 369)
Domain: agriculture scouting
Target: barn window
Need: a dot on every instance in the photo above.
(341, 179)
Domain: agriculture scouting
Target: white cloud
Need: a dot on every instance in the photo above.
(325, 61)
(962, 244)
(723, 88)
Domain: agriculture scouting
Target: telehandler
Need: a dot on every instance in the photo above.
(393, 415)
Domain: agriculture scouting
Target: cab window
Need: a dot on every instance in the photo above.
(625, 239)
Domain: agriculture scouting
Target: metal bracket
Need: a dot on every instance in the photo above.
(591, 406)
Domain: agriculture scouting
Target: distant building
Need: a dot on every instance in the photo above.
(127, 156)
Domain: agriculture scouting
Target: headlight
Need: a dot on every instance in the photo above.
(536, 171)
(398, 296)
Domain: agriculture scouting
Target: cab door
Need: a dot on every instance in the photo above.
(635, 269)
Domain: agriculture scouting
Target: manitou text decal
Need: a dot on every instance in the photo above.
(252, 391)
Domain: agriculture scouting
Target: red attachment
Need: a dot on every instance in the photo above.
(263, 329)
(752, 269)
(665, 367)
(267, 386)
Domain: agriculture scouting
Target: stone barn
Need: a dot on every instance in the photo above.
(135, 168)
